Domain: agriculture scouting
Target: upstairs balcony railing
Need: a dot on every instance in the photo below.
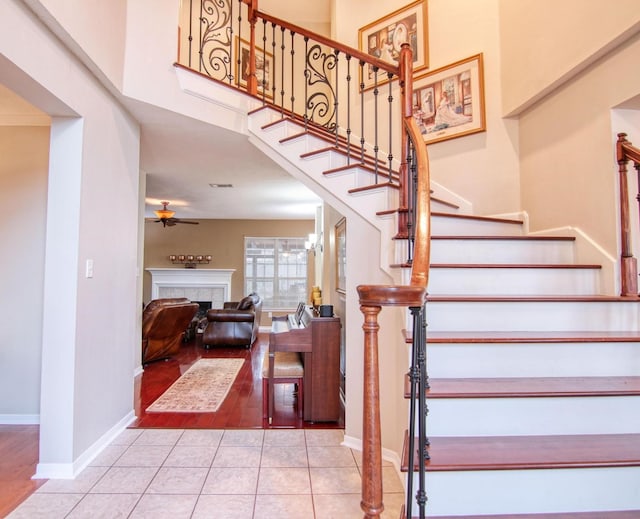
(626, 152)
(363, 107)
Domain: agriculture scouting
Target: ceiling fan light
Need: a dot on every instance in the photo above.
(164, 213)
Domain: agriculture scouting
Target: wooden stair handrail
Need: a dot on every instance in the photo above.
(625, 152)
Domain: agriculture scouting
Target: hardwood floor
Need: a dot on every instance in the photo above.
(242, 409)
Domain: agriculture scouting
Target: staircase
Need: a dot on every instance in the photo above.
(534, 392)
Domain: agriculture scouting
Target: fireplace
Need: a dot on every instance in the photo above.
(211, 286)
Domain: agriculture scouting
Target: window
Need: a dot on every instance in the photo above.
(276, 269)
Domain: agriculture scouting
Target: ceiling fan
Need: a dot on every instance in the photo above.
(166, 216)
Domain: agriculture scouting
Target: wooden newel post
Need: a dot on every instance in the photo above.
(371, 502)
(252, 80)
(628, 264)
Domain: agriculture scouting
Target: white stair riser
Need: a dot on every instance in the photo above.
(513, 281)
(450, 226)
(533, 416)
(532, 491)
(570, 316)
(562, 359)
(502, 251)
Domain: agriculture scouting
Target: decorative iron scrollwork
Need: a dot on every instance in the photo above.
(320, 100)
(215, 41)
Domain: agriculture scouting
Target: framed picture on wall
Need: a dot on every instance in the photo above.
(449, 102)
(384, 38)
(341, 255)
(264, 68)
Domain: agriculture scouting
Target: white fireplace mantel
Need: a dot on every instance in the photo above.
(195, 284)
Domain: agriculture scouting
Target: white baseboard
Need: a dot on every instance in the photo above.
(19, 419)
(387, 455)
(71, 470)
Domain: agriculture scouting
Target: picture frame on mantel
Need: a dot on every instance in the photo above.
(341, 255)
(449, 102)
(384, 38)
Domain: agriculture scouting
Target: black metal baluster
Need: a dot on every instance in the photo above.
(423, 386)
(362, 141)
(282, 71)
(190, 30)
(265, 70)
(348, 109)
(335, 98)
(307, 79)
(293, 55)
(414, 378)
(200, 39)
(411, 195)
(275, 61)
(375, 124)
(390, 99)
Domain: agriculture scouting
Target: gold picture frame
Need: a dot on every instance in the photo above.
(264, 68)
(341, 255)
(449, 102)
(383, 38)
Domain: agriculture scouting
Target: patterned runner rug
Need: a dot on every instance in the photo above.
(201, 389)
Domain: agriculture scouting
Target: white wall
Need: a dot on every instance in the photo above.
(24, 153)
(89, 329)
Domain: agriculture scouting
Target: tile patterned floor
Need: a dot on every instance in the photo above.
(177, 473)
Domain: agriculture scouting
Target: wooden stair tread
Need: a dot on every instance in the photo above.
(536, 299)
(514, 266)
(609, 514)
(446, 337)
(529, 387)
(529, 452)
(505, 238)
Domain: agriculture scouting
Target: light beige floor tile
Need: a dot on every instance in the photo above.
(237, 457)
(225, 507)
(275, 456)
(164, 507)
(104, 506)
(344, 480)
(283, 481)
(159, 437)
(46, 506)
(127, 437)
(144, 456)
(392, 505)
(284, 437)
(201, 437)
(231, 481)
(190, 456)
(330, 457)
(108, 456)
(391, 482)
(177, 480)
(337, 506)
(244, 438)
(322, 437)
(80, 485)
(283, 507)
(125, 480)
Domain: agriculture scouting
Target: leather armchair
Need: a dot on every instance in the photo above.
(236, 324)
(164, 322)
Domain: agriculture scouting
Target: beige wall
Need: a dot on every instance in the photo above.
(223, 239)
(546, 41)
(24, 159)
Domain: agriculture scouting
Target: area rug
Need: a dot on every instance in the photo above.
(200, 389)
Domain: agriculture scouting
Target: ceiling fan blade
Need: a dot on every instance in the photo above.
(187, 221)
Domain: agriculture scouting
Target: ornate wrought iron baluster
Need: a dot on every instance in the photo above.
(423, 411)
(320, 100)
(265, 64)
(275, 61)
(307, 79)
(335, 98)
(190, 30)
(390, 99)
(216, 34)
(362, 141)
(282, 70)
(348, 109)
(293, 75)
(375, 124)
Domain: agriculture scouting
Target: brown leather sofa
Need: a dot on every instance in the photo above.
(236, 324)
(164, 322)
